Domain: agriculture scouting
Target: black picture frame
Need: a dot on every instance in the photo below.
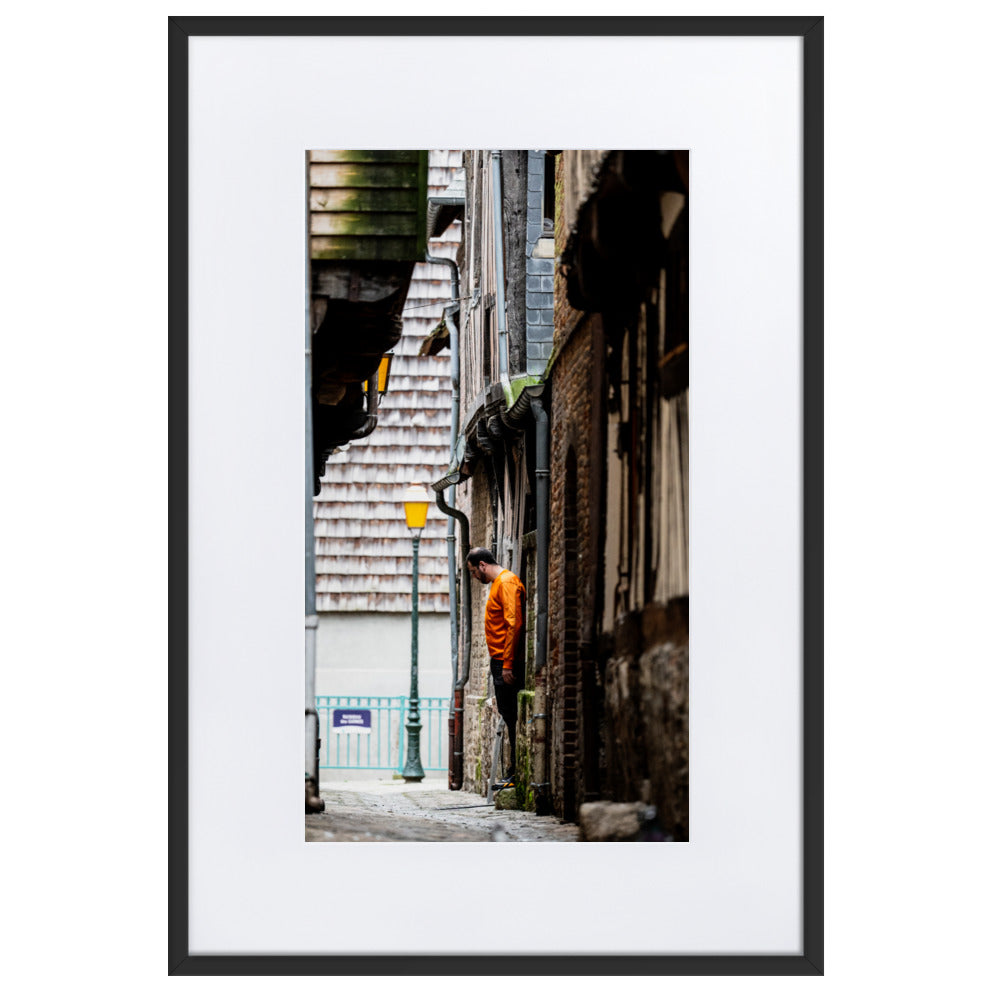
(810, 961)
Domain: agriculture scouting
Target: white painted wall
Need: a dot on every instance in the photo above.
(369, 654)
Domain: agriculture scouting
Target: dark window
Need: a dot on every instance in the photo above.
(549, 200)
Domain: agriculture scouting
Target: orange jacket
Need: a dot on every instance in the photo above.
(505, 618)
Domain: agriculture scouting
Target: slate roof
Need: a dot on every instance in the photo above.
(364, 551)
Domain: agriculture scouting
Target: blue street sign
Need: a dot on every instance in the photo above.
(352, 720)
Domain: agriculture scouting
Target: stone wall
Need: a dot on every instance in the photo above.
(474, 499)
(646, 683)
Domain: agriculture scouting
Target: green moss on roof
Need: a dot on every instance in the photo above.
(515, 387)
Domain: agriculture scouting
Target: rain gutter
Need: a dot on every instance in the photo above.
(372, 409)
(457, 768)
(542, 481)
(313, 800)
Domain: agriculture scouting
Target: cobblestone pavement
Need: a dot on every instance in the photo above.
(394, 810)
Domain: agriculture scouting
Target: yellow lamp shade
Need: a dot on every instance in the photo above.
(415, 502)
(383, 372)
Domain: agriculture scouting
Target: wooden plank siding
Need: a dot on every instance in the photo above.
(365, 155)
(364, 552)
(360, 200)
(367, 204)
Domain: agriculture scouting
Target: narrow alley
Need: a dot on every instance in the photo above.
(394, 810)
(498, 384)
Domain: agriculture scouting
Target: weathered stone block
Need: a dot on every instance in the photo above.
(663, 680)
(545, 249)
(612, 821)
(646, 700)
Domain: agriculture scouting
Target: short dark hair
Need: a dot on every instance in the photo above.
(476, 556)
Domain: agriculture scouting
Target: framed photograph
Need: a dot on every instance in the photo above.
(616, 224)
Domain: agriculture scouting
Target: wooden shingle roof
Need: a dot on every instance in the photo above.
(364, 551)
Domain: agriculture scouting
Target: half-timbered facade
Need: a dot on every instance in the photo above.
(572, 467)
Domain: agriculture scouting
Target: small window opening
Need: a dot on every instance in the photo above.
(549, 199)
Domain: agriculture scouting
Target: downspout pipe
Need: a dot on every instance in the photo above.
(371, 398)
(543, 788)
(452, 634)
(451, 312)
(313, 802)
(457, 769)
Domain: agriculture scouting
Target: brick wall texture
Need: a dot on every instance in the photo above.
(571, 566)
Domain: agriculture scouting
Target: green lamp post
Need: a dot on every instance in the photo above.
(415, 504)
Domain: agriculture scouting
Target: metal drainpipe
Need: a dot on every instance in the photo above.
(372, 408)
(542, 788)
(313, 801)
(452, 634)
(450, 312)
(500, 276)
(457, 774)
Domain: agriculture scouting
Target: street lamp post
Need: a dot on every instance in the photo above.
(415, 504)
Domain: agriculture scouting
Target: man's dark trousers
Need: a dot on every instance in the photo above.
(507, 703)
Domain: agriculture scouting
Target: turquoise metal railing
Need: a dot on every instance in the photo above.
(384, 747)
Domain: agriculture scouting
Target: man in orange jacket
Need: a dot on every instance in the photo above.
(504, 639)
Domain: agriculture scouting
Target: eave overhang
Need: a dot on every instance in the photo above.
(499, 415)
(622, 229)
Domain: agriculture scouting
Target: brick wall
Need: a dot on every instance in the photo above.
(618, 703)
(572, 570)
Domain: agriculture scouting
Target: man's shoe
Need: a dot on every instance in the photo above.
(505, 783)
